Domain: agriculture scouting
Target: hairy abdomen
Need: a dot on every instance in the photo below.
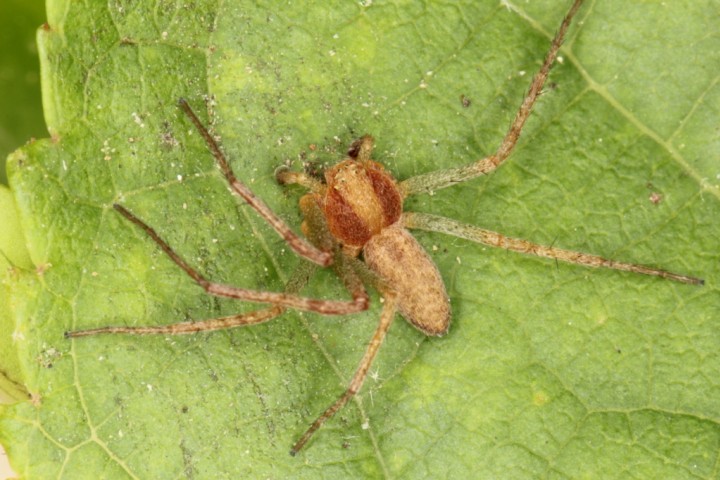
(398, 258)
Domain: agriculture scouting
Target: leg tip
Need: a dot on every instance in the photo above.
(120, 209)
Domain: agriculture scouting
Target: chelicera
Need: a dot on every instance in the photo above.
(354, 223)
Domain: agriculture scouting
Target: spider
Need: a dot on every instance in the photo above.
(354, 223)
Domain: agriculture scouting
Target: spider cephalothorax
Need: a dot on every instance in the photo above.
(360, 198)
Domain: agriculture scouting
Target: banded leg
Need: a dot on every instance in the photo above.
(297, 282)
(359, 302)
(434, 223)
(222, 323)
(386, 318)
(445, 178)
(298, 244)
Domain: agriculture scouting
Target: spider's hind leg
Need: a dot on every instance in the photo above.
(298, 280)
(386, 317)
(435, 223)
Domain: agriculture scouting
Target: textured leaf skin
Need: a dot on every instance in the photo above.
(21, 115)
(547, 372)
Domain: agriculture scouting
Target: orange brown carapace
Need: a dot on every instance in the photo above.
(361, 197)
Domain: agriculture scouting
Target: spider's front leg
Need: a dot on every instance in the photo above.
(439, 179)
(296, 243)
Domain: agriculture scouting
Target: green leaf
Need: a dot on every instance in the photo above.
(20, 110)
(13, 256)
(551, 371)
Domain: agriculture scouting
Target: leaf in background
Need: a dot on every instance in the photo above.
(20, 109)
(548, 371)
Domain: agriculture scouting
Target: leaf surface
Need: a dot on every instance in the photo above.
(549, 371)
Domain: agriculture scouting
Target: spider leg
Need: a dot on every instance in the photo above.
(297, 282)
(434, 223)
(327, 307)
(432, 181)
(386, 317)
(222, 323)
(298, 244)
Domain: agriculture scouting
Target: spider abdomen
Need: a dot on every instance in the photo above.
(400, 260)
